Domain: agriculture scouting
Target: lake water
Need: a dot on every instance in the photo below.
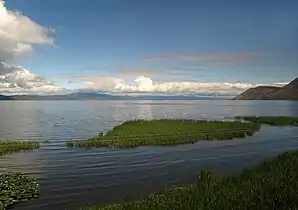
(78, 177)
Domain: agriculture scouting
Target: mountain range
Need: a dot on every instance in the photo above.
(287, 92)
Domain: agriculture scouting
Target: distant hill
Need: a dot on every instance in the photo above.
(103, 96)
(257, 93)
(2, 97)
(288, 92)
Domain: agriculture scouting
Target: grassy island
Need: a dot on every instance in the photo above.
(16, 188)
(275, 120)
(167, 132)
(7, 147)
(271, 185)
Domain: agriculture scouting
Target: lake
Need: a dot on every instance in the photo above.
(78, 177)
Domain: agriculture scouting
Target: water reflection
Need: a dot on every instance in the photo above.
(108, 174)
(25, 162)
(20, 120)
(293, 108)
(144, 111)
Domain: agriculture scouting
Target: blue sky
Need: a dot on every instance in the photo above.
(251, 42)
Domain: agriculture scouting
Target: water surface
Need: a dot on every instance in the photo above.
(77, 177)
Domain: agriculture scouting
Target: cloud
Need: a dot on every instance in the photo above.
(19, 34)
(281, 84)
(105, 83)
(170, 67)
(144, 84)
(210, 59)
(125, 72)
(128, 70)
(17, 80)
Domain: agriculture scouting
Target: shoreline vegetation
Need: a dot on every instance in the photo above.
(166, 133)
(269, 185)
(16, 188)
(270, 120)
(14, 146)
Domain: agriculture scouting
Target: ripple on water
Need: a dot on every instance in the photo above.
(76, 177)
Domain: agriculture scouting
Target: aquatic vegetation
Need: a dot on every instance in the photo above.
(16, 188)
(70, 144)
(271, 185)
(167, 132)
(270, 120)
(10, 146)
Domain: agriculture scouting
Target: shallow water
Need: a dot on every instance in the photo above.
(78, 177)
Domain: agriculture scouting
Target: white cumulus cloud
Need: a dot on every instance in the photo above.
(146, 85)
(17, 80)
(18, 36)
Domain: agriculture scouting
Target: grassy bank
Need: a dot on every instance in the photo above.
(167, 132)
(270, 185)
(16, 188)
(7, 147)
(275, 120)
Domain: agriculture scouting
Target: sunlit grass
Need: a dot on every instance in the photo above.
(167, 132)
(16, 188)
(271, 185)
(271, 120)
(12, 146)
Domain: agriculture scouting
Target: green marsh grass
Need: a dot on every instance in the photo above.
(270, 120)
(271, 185)
(12, 146)
(16, 188)
(167, 132)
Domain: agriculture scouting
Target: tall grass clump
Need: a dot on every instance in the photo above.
(271, 185)
(167, 132)
(16, 188)
(11, 146)
(270, 120)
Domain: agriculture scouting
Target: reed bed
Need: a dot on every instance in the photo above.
(271, 185)
(11, 146)
(16, 188)
(270, 120)
(166, 133)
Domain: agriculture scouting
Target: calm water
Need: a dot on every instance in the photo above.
(78, 177)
